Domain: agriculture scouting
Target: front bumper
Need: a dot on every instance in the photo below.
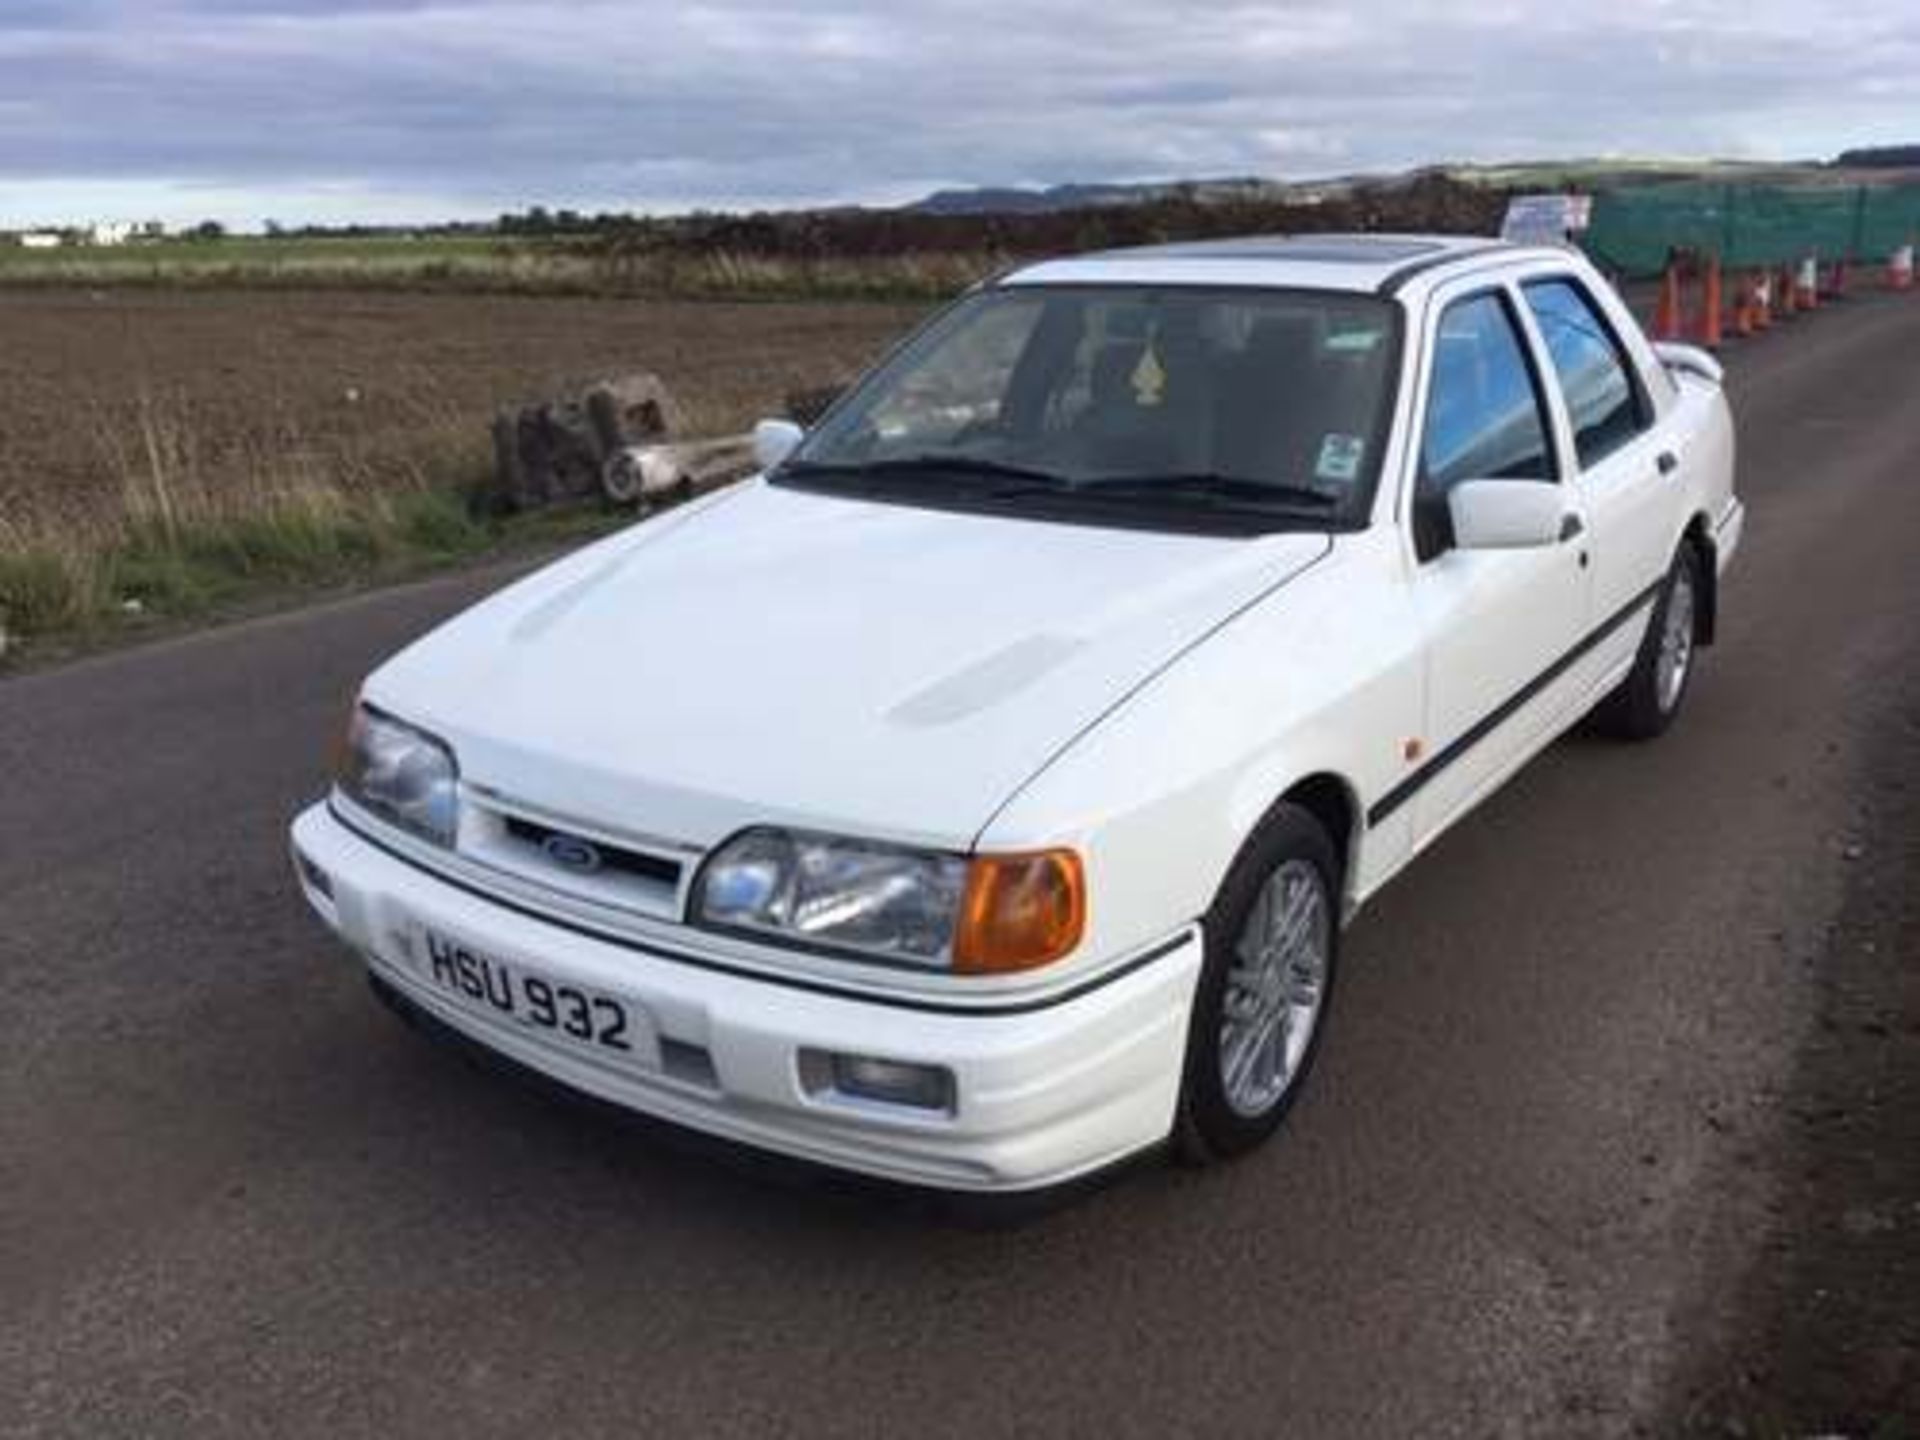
(1041, 1095)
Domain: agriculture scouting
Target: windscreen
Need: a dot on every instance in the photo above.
(1171, 401)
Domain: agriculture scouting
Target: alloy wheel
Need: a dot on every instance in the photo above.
(1276, 986)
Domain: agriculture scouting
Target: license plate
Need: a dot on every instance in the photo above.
(513, 992)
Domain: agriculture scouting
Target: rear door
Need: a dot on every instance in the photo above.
(1627, 473)
(1497, 623)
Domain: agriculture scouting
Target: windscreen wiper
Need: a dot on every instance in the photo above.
(932, 464)
(1210, 485)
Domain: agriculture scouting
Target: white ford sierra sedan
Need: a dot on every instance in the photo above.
(976, 796)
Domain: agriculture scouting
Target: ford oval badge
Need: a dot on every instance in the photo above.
(572, 852)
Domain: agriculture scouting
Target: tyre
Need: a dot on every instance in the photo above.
(1272, 942)
(1646, 702)
(623, 478)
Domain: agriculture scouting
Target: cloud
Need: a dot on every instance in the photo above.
(389, 108)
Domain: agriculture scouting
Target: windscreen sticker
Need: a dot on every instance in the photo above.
(1339, 458)
(1149, 379)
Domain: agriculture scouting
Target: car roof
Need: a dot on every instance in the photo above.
(1377, 263)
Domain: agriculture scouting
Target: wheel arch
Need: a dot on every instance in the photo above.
(1332, 800)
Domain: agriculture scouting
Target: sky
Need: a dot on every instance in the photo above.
(394, 111)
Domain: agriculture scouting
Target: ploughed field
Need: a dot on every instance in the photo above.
(133, 403)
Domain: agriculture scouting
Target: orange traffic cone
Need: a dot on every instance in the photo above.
(1666, 315)
(1710, 301)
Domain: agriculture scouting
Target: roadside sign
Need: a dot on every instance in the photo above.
(1546, 219)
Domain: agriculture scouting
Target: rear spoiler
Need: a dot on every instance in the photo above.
(1689, 360)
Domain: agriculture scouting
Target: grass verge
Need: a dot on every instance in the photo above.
(57, 598)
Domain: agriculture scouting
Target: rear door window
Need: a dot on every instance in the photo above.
(1604, 405)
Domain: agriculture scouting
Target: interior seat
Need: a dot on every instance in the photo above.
(1273, 400)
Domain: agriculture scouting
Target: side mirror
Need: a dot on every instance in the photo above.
(1507, 514)
(774, 440)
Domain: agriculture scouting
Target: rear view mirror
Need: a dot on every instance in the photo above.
(1506, 514)
(773, 441)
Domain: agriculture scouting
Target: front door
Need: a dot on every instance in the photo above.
(1497, 623)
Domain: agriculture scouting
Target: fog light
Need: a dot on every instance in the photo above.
(890, 1082)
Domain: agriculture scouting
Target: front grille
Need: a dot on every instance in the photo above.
(583, 860)
(614, 859)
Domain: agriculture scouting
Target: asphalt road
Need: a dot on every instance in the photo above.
(236, 1198)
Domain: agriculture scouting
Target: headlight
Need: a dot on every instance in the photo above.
(976, 915)
(401, 774)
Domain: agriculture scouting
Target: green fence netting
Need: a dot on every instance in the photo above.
(1633, 229)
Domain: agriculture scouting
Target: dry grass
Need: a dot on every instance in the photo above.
(504, 267)
(930, 275)
(165, 453)
(180, 535)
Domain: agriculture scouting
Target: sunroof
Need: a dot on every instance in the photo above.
(1328, 249)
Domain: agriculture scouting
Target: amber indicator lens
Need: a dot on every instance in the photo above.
(1019, 912)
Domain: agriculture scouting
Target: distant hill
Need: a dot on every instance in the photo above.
(1881, 157)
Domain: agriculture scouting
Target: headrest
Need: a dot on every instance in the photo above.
(1294, 336)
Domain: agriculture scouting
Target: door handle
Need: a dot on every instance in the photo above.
(1668, 462)
(1570, 527)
